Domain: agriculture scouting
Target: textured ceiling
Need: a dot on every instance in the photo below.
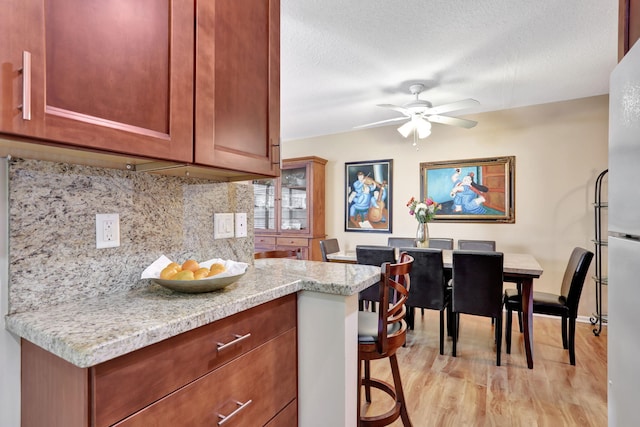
(339, 58)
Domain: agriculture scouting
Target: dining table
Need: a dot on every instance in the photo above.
(517, 267)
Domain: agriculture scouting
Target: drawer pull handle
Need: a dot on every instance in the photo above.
(26, 85)
(222, 346)
(241, 406)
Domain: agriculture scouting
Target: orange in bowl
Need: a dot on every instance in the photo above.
(201, 273)
(190, 264)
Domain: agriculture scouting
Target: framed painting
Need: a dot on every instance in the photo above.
(368, 196)
(476, 190)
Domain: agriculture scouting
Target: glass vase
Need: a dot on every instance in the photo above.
(422, 235)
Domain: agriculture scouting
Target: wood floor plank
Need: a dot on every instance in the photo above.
(470, 390)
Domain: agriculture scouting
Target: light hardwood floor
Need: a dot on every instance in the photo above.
(470, 390)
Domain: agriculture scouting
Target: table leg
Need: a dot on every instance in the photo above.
(527, 318)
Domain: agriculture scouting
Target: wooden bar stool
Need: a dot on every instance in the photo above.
(292, 253)
(380, 334)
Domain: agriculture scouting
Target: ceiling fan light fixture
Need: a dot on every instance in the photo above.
(423, 127)
(405, 129)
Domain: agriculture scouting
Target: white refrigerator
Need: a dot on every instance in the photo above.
(623, 353)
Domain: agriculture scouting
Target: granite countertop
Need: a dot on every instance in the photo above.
(91, 331)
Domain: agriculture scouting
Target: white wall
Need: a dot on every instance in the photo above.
(560, 149)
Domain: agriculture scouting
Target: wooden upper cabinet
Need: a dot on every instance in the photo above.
(114, 75)
(628, 25)
(237, 85)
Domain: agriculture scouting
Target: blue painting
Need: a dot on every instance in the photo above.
(471, 190)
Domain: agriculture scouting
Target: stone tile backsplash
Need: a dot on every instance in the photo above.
(52, 207)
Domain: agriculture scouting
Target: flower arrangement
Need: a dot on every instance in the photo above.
(423, 211)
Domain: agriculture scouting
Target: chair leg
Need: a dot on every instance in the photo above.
(507, 331)
(422, 309)
(498, 339)
(359, 389)
(572, 341)
(456, 320)
(367, 377)
(564, 333)
(399, 392)
(410, 317)
(519, 288)
(442, 331)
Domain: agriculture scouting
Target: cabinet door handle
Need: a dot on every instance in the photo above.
(241, 406)
(222, 346)
(26, 85)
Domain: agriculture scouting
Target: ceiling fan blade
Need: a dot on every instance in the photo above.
(396, 108)
(396, 119)
(453, 106)
(453, 121)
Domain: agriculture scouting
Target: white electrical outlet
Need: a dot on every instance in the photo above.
(222, 225)
(241, 225)
(107, 231)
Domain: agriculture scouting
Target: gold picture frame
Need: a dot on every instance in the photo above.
(474, 190)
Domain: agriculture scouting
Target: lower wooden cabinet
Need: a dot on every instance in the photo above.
(256, 386)
(288, 417)
(188, 379)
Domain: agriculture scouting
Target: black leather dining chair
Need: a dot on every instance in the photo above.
(477, 290)
(328, 246)
(490, 245)
(563, 304)
(373, 255)
(401, 242)
(477, 245)
(428, 286)
(440, 243)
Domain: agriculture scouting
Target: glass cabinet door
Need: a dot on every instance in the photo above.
(264, 194)
(294, 213)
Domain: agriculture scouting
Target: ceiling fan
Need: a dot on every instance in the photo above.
(421, 113)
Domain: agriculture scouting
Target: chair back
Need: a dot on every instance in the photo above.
(374, 255)
(428, 286)
(477, 245)
(440, 243)
(477, 283)
(394, 279)
(293, 253)
(328, 246)
(401, 242)
(574, 276)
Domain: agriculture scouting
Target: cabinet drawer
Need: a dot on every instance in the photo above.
(292, 241)
(288, 417)
(125, 385)
(257, 386)
(264, 241)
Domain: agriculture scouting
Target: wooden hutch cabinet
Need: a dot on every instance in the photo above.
(289, 210)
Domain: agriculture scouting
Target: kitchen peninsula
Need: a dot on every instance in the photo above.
(102, 330)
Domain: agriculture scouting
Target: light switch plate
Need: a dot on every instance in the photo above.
(222, 225)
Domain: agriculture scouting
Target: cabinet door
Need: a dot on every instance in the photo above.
(112, 75)
(264, 201)
(237, 118)
(294, 206)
